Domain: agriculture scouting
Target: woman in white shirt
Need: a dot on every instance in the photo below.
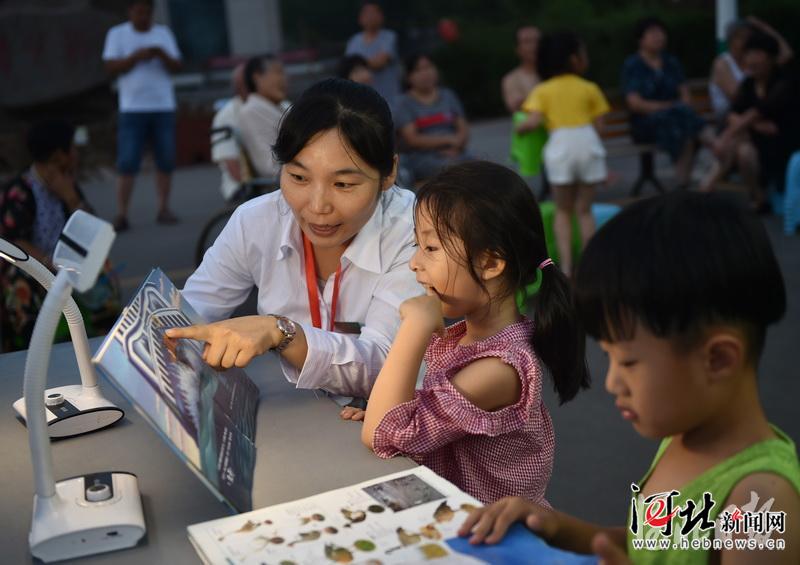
(328, 252)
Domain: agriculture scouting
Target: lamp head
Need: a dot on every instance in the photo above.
(11, 252)
(82, 248)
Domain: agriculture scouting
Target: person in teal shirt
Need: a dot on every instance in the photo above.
(679, 290)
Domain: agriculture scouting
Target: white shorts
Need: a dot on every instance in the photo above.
(575, 155)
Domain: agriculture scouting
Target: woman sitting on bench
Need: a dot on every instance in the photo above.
(659, 101)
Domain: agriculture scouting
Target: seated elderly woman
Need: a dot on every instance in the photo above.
(34, 206)
(727, 74)
(659, 100)
(431, 123)
(727, 71)
(763, 127)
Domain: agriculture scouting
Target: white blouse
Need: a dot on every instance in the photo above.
(262, 246)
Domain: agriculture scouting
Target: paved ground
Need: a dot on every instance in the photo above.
(598, 454)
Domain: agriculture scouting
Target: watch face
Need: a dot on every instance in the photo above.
(286, 326)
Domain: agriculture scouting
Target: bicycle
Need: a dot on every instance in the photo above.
(250, 189)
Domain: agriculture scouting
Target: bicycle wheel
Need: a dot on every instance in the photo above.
(210, 233)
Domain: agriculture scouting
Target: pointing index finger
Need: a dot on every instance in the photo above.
(200, 333)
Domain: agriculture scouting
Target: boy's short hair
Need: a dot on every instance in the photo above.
(676, 264)
(348, 63)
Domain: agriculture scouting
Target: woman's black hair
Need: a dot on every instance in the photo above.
(644, 24)
(677, 264)
(47, 137)
(360, 114)
(760, 41)
(491, 210)
(350, 63)
(555, 53)
(256, 65)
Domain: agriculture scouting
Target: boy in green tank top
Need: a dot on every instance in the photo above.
(679, 290)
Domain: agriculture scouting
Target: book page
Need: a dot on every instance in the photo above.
(407, 517)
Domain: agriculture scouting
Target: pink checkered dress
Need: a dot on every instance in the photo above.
(487, 454)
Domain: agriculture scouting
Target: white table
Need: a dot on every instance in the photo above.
(303, 449)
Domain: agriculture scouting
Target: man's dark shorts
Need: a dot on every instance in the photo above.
(138, 129)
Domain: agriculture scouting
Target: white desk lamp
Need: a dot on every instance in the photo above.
(91, 513)
(72, 409)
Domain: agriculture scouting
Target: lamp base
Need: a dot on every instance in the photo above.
(89, 514)
(74, 409)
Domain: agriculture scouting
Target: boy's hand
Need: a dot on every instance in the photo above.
(425, 312)
(352, 413)
(609, 552)
(489, 524)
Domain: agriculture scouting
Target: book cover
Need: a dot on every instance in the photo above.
(407, 517)
(207, 417)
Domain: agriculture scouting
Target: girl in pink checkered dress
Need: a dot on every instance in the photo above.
(479, 419)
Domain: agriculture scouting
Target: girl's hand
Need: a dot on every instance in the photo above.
(490, 523)
(234, 342)
(424, 312)
(609, 552)
(352, 413)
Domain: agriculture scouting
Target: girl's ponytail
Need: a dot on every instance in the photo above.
(558, 338)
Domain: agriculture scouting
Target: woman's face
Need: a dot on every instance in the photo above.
(437, 269)
(736, 43)
(758, 64)
(332, 191)
(66, 161)
(424, 76)
(654, 39)
(272, 83)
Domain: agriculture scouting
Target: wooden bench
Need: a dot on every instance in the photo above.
(616, 134)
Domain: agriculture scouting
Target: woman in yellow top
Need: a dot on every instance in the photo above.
(571, 108)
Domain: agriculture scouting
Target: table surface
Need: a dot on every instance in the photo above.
(303, 449)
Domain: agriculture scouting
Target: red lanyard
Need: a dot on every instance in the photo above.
(311, 284)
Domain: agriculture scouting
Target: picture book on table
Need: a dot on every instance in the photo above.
(207, 417)
(407, 517)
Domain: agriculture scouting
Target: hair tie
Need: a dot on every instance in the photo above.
(547, 262)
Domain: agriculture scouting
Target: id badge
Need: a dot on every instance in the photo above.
(347, 327)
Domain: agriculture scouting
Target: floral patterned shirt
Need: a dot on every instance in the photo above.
(31, 213)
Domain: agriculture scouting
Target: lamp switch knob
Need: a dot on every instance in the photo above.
(98, 492)
(54, 399)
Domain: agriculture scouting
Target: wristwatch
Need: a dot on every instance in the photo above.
(288, 328)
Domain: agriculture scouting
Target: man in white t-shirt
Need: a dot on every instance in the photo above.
(226, 141)
(142, 54)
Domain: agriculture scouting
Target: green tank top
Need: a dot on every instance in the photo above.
(777, 456)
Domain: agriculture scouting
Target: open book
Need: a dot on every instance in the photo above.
(207, 417)
(406, 517)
